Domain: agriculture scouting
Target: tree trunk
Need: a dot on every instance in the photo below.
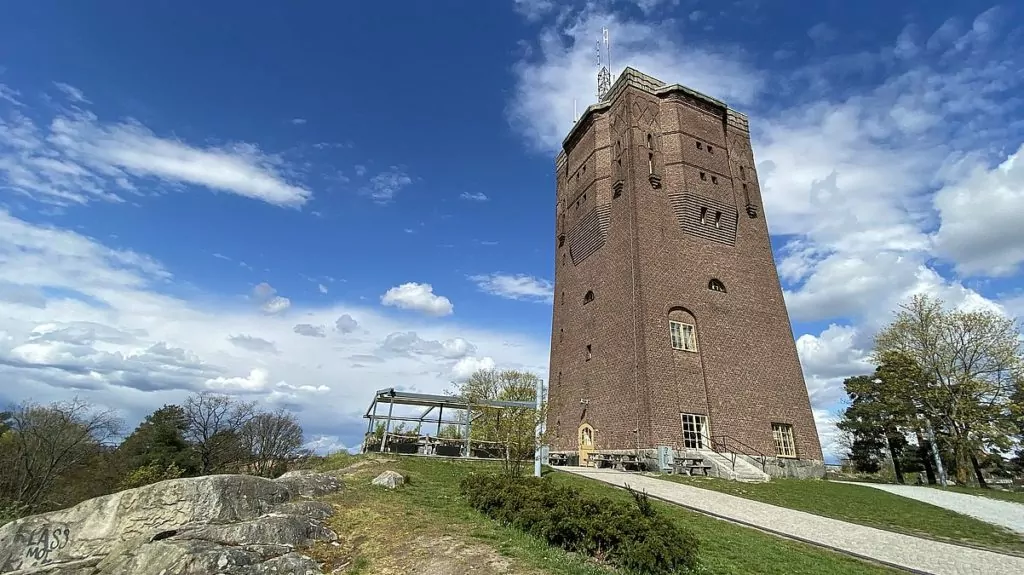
(897, 468)
(977, 471)
(924, 452)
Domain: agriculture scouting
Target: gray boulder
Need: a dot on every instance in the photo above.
(389, 479)
(234, 524)
(305, 483)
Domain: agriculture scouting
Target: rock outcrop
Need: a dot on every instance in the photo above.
(231, 524)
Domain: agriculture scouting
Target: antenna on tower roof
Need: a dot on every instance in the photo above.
(604, 77)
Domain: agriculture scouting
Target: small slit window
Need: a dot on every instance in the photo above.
(718, 219)
(716, 285)
(699, 146)
(743, 173)
(561, 241)
(714, 180)
(562, 300)
(588, 297)
(711, 149)
(650, 163)
(650, 142)
(589, 352)
(703, 176)
(703, 215)
(561, 334)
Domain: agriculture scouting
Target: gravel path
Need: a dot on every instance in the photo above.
(1002, 513)
(913, 553)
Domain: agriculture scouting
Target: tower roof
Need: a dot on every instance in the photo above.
(634, 78)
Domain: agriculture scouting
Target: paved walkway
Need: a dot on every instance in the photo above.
(1002, 513)
(913, 553)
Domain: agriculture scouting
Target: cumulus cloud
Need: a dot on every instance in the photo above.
(980, 214)
(276, 304)
(418, 297)
(518, 286)
(251, 343)
(103, 328)
(310, 330)
(346, 324)
(474, 196)
(76, 158)
(467, 366)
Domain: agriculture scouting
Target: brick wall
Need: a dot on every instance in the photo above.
(646, 257)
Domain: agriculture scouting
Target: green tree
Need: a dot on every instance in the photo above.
(159, 443)
(971, 362)
(875, 419)
(514, 427)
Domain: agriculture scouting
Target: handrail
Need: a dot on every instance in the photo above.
(720, 445)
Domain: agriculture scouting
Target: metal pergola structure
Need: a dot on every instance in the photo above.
(393, 397)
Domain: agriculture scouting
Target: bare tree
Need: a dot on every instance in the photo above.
(215, 422)
(273, 440)
(44, 443)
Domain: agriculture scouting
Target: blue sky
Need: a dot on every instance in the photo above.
(300, 203)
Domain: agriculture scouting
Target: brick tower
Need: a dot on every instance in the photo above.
(669, 325)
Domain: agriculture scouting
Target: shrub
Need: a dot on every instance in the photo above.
(633, 536)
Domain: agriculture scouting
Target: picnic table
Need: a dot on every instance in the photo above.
(688, 465)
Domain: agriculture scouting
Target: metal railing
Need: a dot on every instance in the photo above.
(729, 447)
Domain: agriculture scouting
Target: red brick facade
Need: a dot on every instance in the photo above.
(657, 197)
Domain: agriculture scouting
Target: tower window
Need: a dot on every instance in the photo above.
(584, 198)
(716, 285)
(743, 174)
(618, 146)
(711, 149)
(782, 433)
(588, 297)
(561, 241)
(561, 334)
(589, 353)
(682, 335)
(650, 163)
(563, 259)
(703, 215)
(650, 142)
(699, 146)
(562, 300)
(718, 219)
(714, 180)
(703, 176)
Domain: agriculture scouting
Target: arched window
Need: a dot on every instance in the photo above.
(588, 297)
(716, 285)
(650, 142)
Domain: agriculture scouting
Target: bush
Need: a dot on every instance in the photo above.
(630, 536)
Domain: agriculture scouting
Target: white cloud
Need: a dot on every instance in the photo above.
(72, 93)
(533, 10)
(467, 366)
(419, 297)
(322, 288)
(99, 326)
(383, 187)
(263, 290)
(298, 121)
(346, 324)
(981, 219)
(251, 343)
(475, 197)
(518, 286)
(76, 158)
(561, 69)
(309, 330)
(276, 304)
(10, 95)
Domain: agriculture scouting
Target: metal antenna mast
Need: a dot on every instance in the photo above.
(604, 77)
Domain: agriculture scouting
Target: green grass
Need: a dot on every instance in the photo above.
(867, 506)
(373, 523)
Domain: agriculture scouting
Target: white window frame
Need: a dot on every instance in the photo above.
(785, 442)
(682, 335)
(695, 430)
